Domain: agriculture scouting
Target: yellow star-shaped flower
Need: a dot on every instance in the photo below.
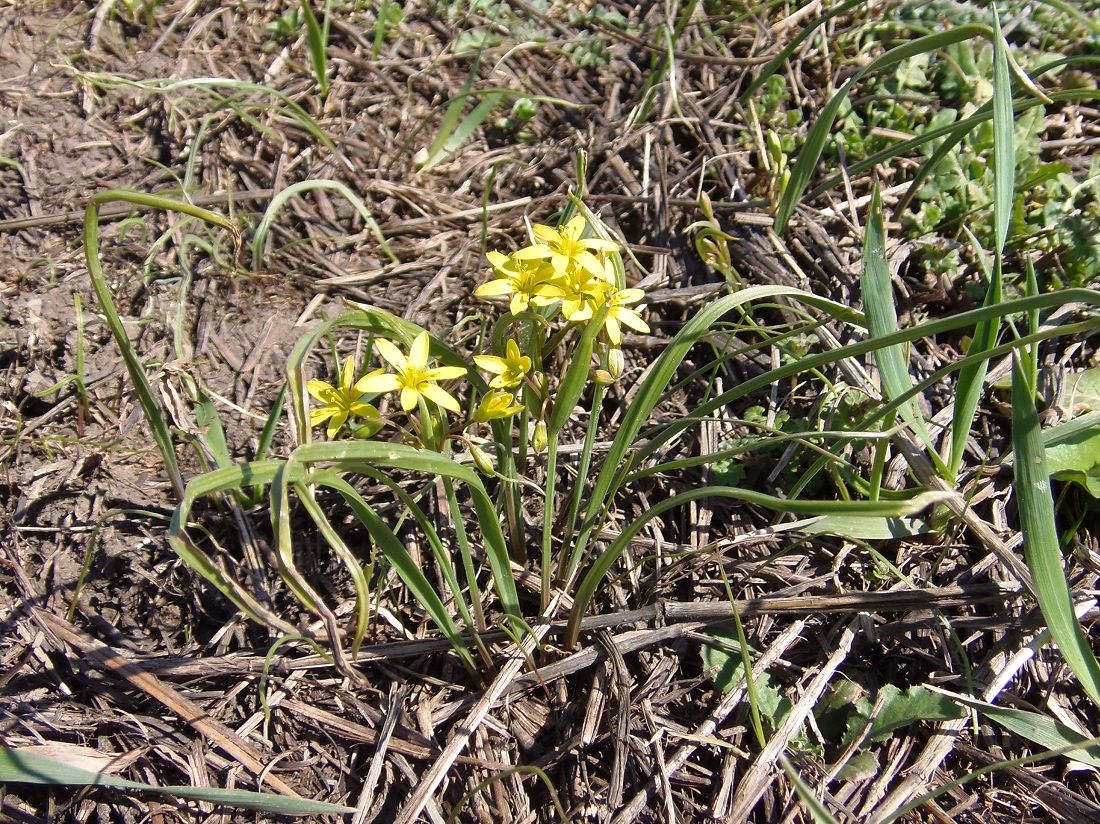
(496, 405)
(527, 281)
(509, 370)
(565, 248)
(339, 403)
(619, 312)
(412, 375)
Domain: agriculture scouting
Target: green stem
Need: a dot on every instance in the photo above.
(566, 565)
(548, 517)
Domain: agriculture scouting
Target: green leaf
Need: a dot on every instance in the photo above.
(882, 319)
(1042, 549)
(31, 768)
(903, 708)
(1035, 727)
(722, 660)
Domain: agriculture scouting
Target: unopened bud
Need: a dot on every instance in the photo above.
(481, 460)
(616, 363)
(539, 439)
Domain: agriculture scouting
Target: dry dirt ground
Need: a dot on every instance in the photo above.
(91, 98)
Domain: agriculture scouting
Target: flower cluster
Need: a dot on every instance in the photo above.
(562, 267)
(562, 271)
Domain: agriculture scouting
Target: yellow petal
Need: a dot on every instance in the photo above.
(598, 244)
(376, 383)
(409, 398)
(447, 373)
(492, 288)
(490, 363)
(347, 373)
(574, 228)
(614, 331)
(437, 394)
(391, 354)
(322, 414)
(496, 259)
(335, 422)
(545, 234)
(632, 319)
(536, 251)
(418, 354)
(321, 390)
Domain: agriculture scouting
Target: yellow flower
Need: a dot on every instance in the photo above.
(412, 376)
(565, 248)
(618, 312)
(343, 401)
(526, 280)
(583, 294)
(509, 370)
(496, 405)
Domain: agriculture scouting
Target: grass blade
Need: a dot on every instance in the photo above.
(1042, 548)
(280, 199)
(882, 319)
(317, 39)
(31, 768)
(819, 133)
(454, 139)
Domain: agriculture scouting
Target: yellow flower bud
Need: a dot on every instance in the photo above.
(494, 405)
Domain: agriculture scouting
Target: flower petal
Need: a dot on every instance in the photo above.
(409, 398)
(321, 390)
(375, 383)
(598, 244)
(628, 296)
(322, 414)
(632, 319)
(536, 251)
(418, 354)
(391, 354)
(492, 288)
(614, 331)
(545, 234)
(437, 394)
(574, 227)
(335, 422)
(498, 260)
(347, 373)
(490, 363)
(447, 373)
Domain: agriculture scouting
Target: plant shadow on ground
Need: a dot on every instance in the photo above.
(632, 722)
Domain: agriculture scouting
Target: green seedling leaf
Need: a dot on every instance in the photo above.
(722, 660)
(317, 39)
(866, 527)
(817, 809)
(1074, 455)
(461, 132)
(19, 767)
(1080, 391)
(899, 709)
(882, 319)
(1042, 549)
(280, 199)
(1035, 727)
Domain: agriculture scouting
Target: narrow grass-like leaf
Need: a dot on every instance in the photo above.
(576, 374)
(814, 804)
(1042, 548)
(345, 455)
(882, 319)
(150, 406)
(318, 47)
(280, 199)
(453, 112)
(398, 557)
(1035, 727)
(968, 387)
(657, 381)
(32, 768)
(602, 565)
(462, 131)
(819, 133)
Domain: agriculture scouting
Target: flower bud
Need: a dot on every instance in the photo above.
(539, 439)
(481, 460)
(616, 363)
(496, 405)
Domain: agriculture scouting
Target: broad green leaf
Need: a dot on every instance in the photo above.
(1076, 458)
(899, 709)
(31, 768)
